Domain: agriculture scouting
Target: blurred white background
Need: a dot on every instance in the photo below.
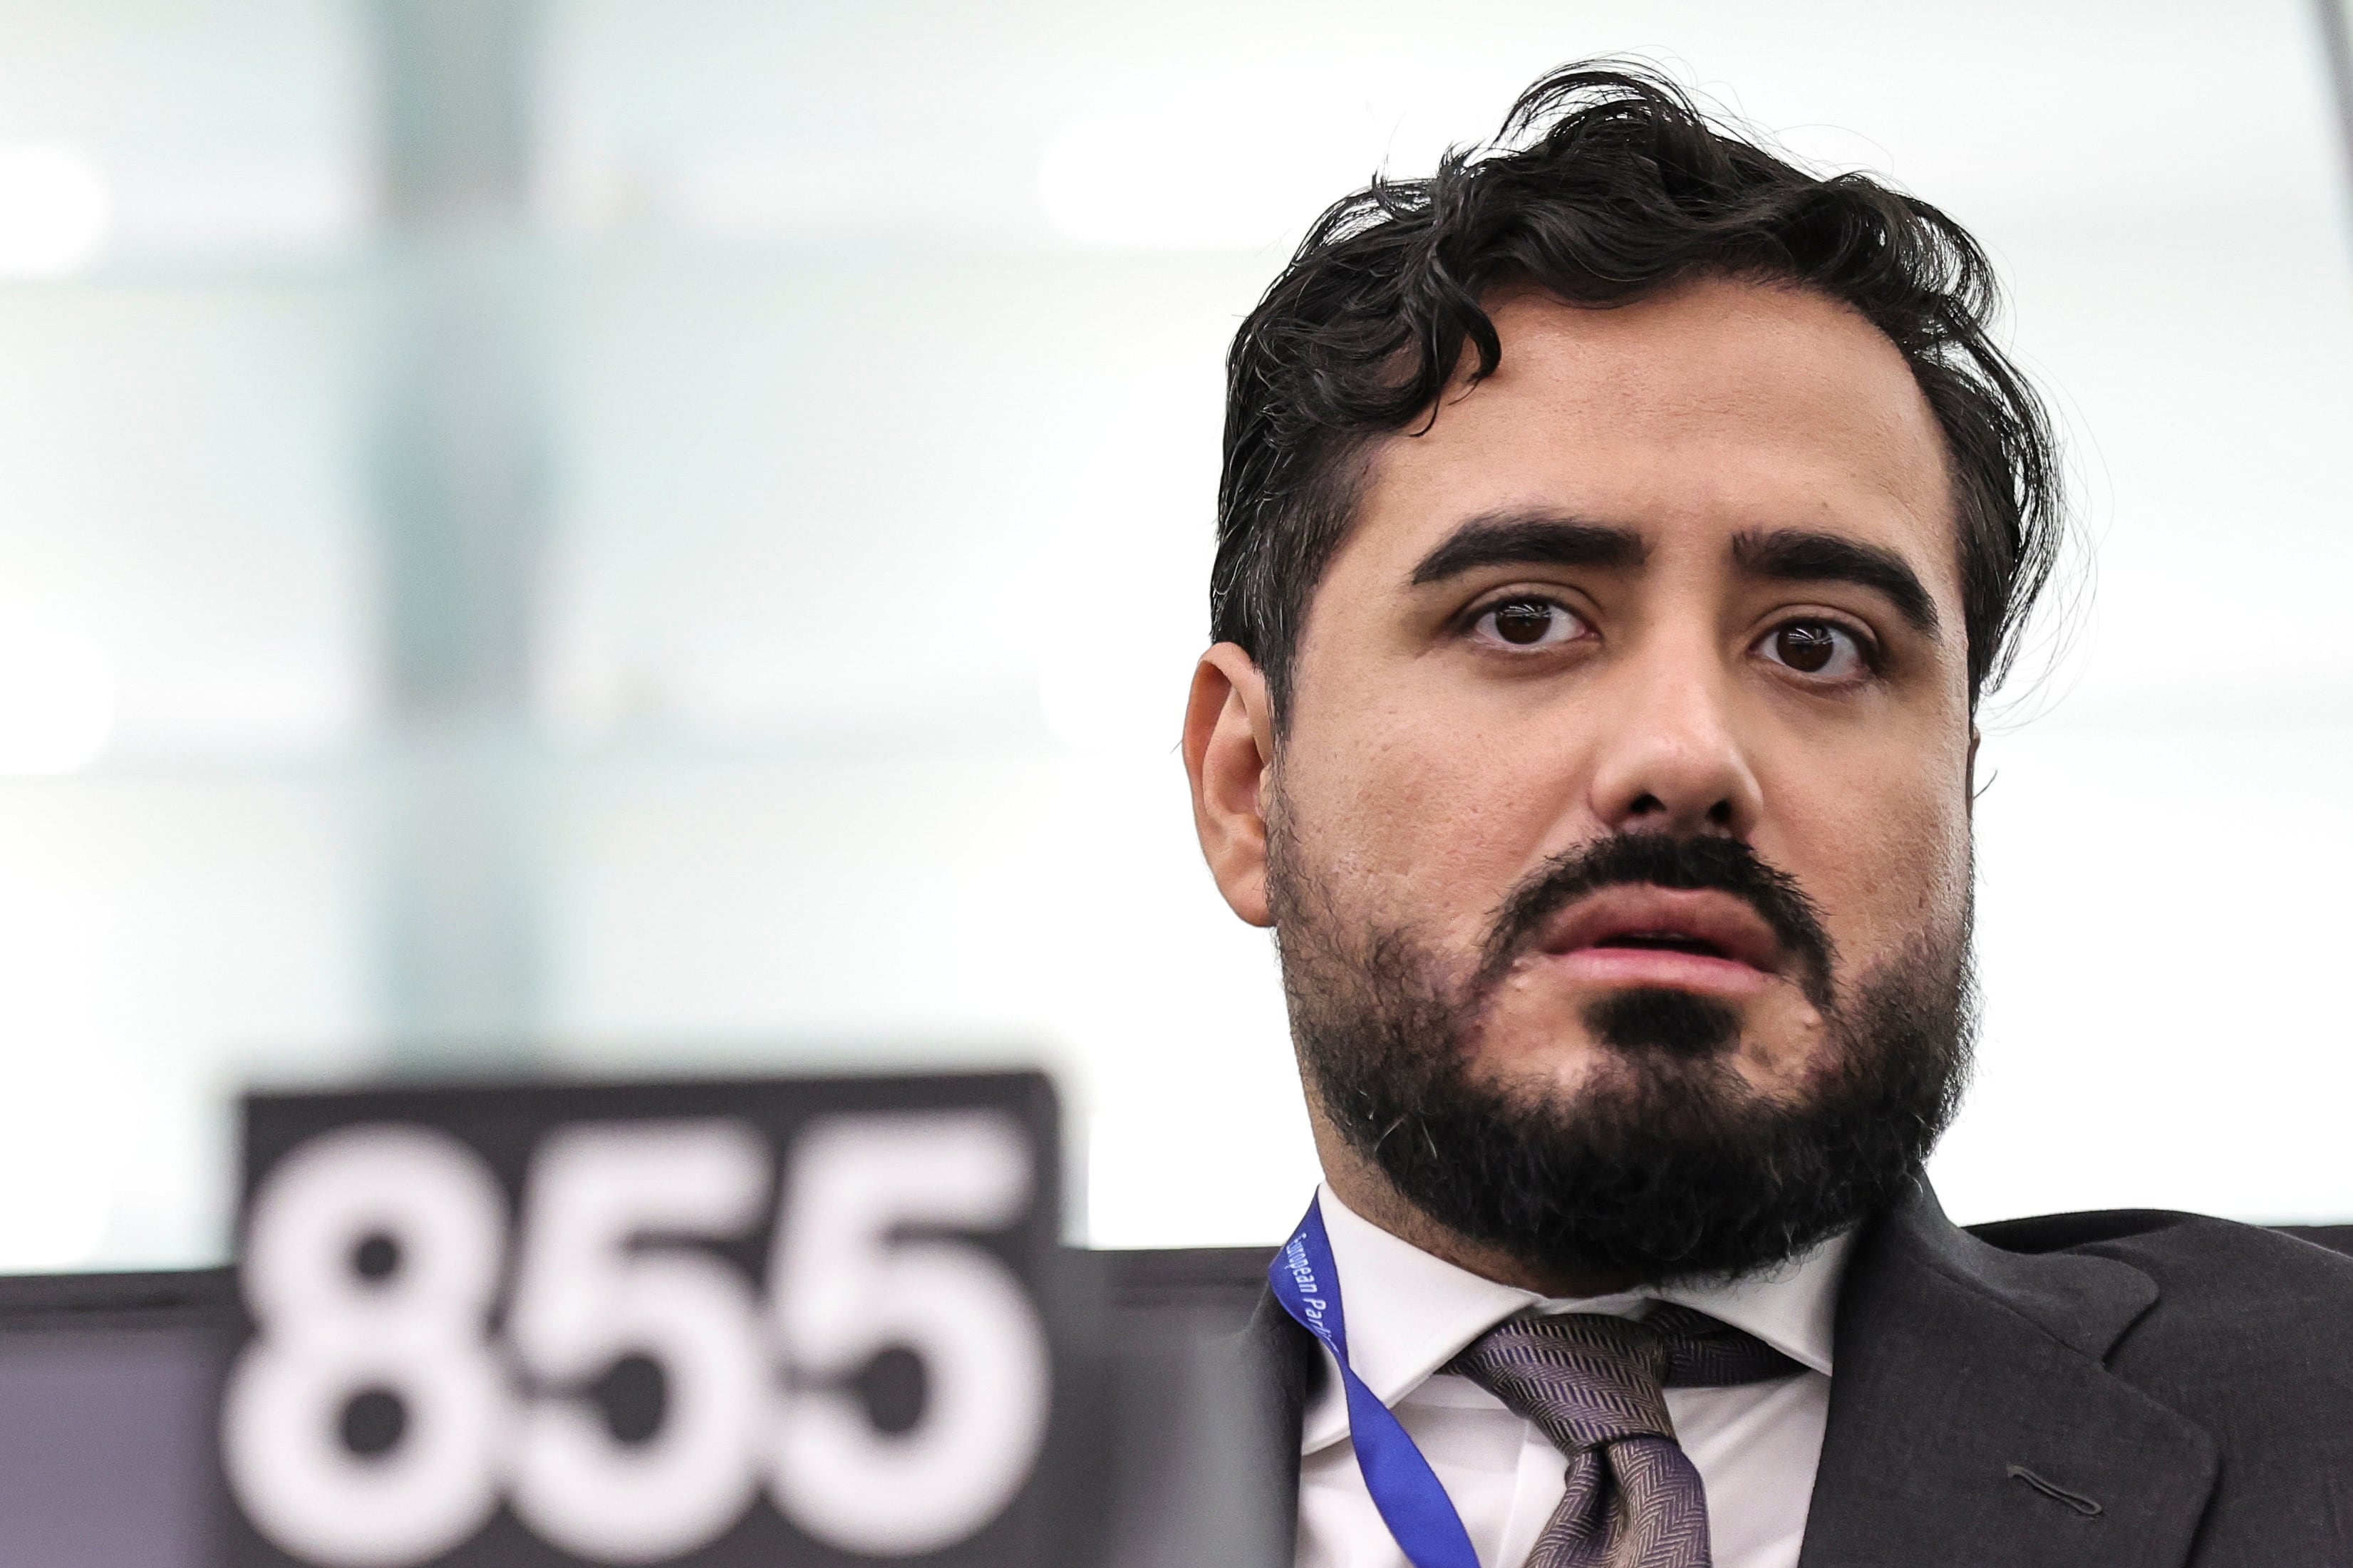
(677, 532)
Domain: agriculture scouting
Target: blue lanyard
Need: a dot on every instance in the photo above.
(1412, 1502)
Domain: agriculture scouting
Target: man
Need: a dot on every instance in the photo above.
(1618, 533)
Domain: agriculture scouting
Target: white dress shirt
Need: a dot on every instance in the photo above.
(1754, 1446)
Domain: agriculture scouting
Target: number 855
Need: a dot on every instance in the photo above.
(372, 1260)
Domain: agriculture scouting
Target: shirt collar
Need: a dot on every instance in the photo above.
(1408, 1313)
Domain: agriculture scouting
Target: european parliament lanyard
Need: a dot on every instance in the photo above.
(1404, 1487)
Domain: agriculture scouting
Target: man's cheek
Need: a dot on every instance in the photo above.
(1886, 894)
(1429, 843)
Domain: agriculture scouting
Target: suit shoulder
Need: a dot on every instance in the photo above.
(2191, 1257)
(2238, 1309)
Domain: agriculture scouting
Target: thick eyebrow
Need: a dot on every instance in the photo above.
(1529, 538)
(1795, 555)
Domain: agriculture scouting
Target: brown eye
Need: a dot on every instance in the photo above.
(1523, 623)
(1816, 648)
(1529, 622)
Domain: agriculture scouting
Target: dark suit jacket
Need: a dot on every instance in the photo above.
(2181, 1388)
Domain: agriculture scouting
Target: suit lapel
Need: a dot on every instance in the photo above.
(1960, 1365)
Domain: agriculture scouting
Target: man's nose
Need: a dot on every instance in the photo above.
(1671, 761)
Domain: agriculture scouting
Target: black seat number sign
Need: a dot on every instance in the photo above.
(773, 1321)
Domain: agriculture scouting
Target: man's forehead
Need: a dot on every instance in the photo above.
(1714, 411)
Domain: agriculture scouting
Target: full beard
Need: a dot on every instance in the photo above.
(1663, 1162)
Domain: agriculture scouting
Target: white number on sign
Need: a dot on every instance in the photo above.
(371, 1424)
(850, 1285)
(335, 1353)
(587, 1296)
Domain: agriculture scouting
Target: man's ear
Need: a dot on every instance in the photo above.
(1230, 757)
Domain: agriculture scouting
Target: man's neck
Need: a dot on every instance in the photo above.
(1359, 1184)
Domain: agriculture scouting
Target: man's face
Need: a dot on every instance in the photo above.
(1686, 568)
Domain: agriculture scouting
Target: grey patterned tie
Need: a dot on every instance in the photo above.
(1596, 1386)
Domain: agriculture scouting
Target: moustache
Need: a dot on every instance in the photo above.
(1663, 861)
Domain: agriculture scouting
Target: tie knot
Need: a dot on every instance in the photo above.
(1587, 1379)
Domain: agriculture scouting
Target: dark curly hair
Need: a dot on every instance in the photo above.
(1607, 183)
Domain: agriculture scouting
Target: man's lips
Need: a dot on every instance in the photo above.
(1646, 935)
